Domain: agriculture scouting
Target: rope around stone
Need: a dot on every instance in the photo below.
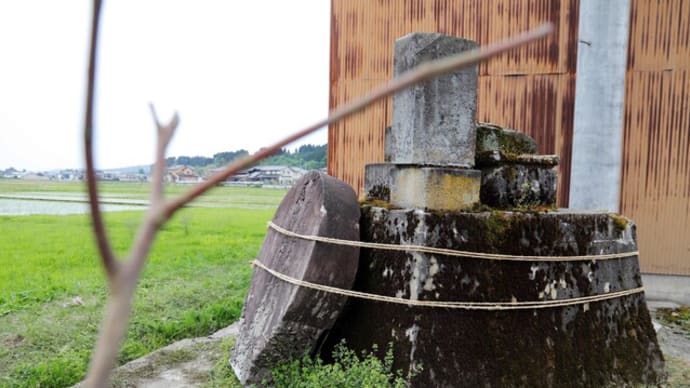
(490, 306)
(448, 252)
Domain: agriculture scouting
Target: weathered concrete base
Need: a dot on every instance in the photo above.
(377, 181)
(281, 321)
(607, 343)
(424, 187)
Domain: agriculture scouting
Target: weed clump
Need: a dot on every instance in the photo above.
(347, 370)
(678, 317)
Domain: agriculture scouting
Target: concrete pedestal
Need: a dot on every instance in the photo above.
(606, 343)
(422, 187)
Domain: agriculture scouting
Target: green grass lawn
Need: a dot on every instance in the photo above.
(52, 288)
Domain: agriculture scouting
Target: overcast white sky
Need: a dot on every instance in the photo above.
(242, 74)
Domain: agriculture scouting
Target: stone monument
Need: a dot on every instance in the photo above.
(480, 280)
(431, 145)
(281, 321)
(556, 298)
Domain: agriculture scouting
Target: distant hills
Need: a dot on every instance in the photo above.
(308, 157)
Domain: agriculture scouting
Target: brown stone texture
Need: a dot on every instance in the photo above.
(281, 321)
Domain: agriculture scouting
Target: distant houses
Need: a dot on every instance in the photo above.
(133, 178)
(12, 173)
(266, 176)
(182, 174)
(70, 175)
(31, 176)
(55, 175)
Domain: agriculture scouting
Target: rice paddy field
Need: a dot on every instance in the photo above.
(52, 287)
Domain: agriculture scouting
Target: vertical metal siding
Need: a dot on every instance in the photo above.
(530, 89)
(655, 188)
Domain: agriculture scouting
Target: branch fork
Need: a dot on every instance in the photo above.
(123, 275)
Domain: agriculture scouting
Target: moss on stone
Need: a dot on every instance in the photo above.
(481, 207)
(376, 203)
(510, 142)
(380, 192)
(619, 222)
(497, 224)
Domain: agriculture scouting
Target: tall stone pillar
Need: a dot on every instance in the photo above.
(434, 122)
(431, 144)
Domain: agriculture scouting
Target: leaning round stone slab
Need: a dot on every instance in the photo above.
(282, 321)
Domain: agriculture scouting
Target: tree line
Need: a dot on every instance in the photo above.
(308, 156)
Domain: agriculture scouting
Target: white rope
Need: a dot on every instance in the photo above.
(448, 252)
(451, 305)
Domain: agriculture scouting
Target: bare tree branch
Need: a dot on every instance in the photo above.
(111, 334)
(122, 278)
(421, 73)
(106, 253)
(153, 220)
(165, 134)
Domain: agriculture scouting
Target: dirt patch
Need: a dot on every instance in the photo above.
(12, 340)
(678, 373)
(186, 363)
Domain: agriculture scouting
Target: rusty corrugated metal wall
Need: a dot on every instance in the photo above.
(655, 188)
(531, 90)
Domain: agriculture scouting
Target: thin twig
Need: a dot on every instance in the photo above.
(107, 256)
(153, 221)
(421, 73)
(165, 134)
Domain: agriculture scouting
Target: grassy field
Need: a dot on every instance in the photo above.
(250, 197)
(52, 288)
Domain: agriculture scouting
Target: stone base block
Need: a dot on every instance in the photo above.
(609, 343)
(377, 181)
(423, 187)
(518, 186)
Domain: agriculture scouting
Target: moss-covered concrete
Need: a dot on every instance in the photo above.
(491, 137)
(620, 222)
(521, 186)
(610, 343)
(495, 158)
(437, 188)
(422, 186)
